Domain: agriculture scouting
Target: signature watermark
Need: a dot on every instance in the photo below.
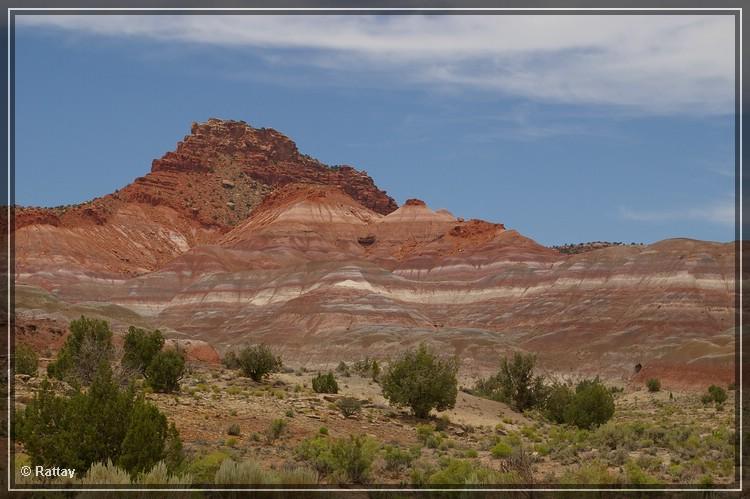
(44, 472)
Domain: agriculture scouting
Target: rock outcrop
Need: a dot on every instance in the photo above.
(212, 181)
(224, 162)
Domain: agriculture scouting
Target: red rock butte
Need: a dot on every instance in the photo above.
(236, 237)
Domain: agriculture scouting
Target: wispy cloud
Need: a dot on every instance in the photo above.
(720, 212)
(656, 64)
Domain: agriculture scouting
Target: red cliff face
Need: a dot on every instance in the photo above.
(223, 169)
(211, 182)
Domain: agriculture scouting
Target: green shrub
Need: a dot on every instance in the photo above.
(706, 481)
(398, 459)
(420, 473)
(653, 385)
(353, 457)
(325, 383)
(442, 423)
(636, 476)
(593, 474)
(165, 371)
(275, 430)
(514, 383)
(462, 472)
(502, 450)
(297, 476)
(105, 422)
(422, 381)
(174, 455)
(26, 360)
(258, 361)
(558, 399)
(106, 473)
(718, 394)
(427, 436)
(204, 467)
(144, 441)
(231, 360)
(234, 429)
(592, 405)
(140, 347)
(349, 406)
(249, 473)
(317, 452)
(243, 473)
(542, 448)
(618, 436)
(161, 474)
(367, 368)
(88, 346)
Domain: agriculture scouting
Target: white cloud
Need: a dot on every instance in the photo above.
(720, 212)
(653, 64)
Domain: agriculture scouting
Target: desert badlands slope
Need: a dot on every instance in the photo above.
(236, 237)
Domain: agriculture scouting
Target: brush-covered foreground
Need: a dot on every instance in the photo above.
(280, 432)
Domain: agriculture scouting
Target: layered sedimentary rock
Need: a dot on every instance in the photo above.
(216, 176)
(325, 267)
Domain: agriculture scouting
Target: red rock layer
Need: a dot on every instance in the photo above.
(213, 180)
(328, 272)
(223, 169)
(324, 278)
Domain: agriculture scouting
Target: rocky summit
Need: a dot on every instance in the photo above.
(236, 237)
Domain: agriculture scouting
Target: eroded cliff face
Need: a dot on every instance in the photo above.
(325, 267)
(223, 169)
(212, 181)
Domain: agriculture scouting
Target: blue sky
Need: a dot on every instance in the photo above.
(568, 129)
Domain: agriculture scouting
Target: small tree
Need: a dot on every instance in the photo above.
(165, 371)
(422, 381)
(558, 399)
(26, 360)
(143, 445)
(103, 423)
(258, 361)
(325, 383)
(592, 405)
(517, 384)
(140, 348)
(86, 348)
(174, 455)
(653, 385)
